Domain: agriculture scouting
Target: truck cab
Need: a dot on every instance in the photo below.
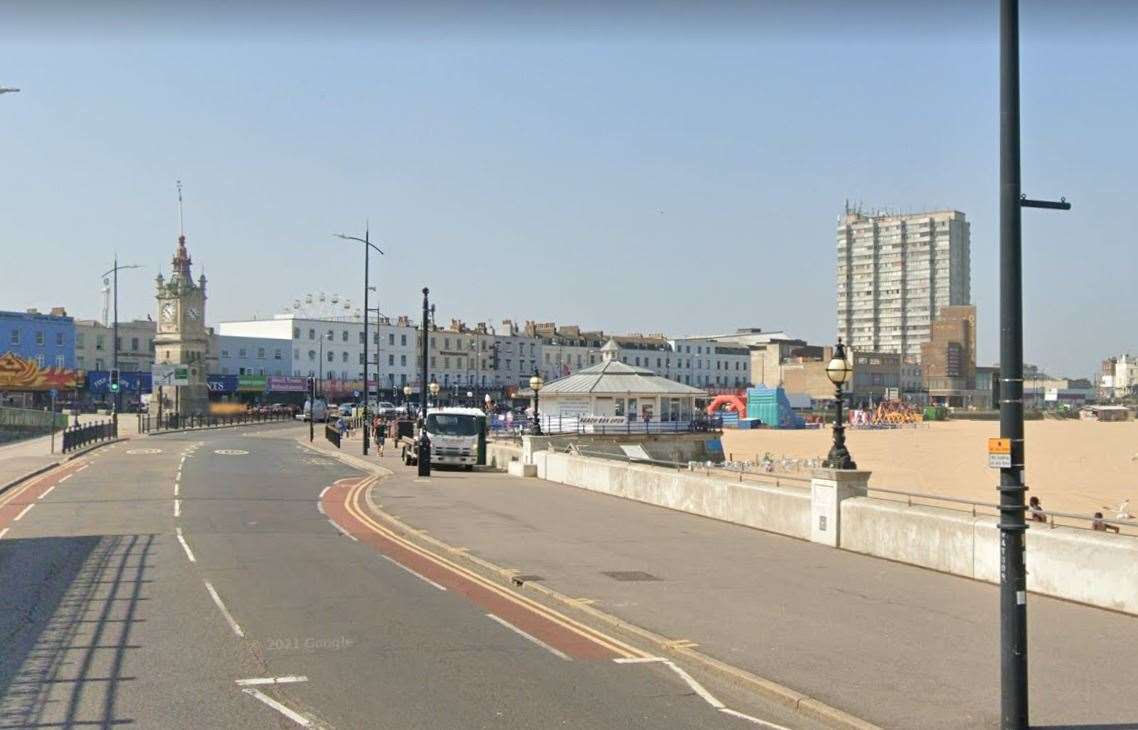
(454, 434)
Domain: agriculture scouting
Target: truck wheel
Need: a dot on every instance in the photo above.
(470, 467)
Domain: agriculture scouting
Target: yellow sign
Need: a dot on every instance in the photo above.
(999, 446)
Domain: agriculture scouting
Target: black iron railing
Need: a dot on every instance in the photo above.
(77, 437)
(172, 421)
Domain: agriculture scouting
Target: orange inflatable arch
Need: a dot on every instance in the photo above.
(730, 402)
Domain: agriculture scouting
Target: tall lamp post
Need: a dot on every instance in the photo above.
(368, 248)
(1013, 575)
(536, 383)
(407, 398)
(838, 370)
(434, 388)
(116, 390)
(424, 460)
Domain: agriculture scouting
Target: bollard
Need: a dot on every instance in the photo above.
(424, 459)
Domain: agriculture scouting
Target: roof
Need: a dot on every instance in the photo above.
(615, 377)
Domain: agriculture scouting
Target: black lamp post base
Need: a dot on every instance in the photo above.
(839, 458)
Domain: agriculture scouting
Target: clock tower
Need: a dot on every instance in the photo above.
(182, 338)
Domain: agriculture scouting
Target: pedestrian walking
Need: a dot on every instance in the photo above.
(380, 437)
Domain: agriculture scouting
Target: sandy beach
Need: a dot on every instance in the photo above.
(1072, 466)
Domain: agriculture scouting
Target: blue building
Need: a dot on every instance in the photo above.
(46, 339)
(265, 356)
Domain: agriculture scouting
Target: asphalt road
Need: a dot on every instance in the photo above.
(194, 580)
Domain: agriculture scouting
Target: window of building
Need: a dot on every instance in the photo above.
(331, 356)
(59, 361)
(391, 338)
(344, 337)
(403, 340)
(241, 352)
(343, 357)
(331, 336)
(277, 354)
(361, 358)
(403, 360)
(260, 353)
(15, 337)
(39, 337)
(311, 334)
(390, 360)
(59, 339)
(296, 333)
(40, 360)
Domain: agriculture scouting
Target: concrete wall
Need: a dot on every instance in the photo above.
(785, 510)
(1100, 569)
(499, 455)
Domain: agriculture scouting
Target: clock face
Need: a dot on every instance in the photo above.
(168, 311)
(193, 313)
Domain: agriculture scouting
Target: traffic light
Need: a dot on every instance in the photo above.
(114, 384)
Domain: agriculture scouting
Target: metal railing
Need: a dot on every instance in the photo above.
(1052, 518)
(172, 421)
(557, 425)
(79, 436)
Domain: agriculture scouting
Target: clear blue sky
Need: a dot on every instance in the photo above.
(649, 170)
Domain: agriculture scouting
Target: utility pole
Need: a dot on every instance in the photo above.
(368, 247)
(116, 396)
(1013, 576)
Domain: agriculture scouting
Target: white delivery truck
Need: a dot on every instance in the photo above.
(455, 434)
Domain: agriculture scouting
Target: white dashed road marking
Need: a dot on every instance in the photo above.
(271, 680)
(555, 652)
(231, 452)
(288, 712)
(24, 512)
(186, 546)
(224, 611)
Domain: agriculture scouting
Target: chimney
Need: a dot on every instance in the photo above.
(58, 312)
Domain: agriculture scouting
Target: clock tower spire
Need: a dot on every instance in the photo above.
(182, 340)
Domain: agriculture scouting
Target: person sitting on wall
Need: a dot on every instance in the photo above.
(1100, 525)
(1035, 509)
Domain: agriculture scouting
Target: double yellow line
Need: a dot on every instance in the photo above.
(614, 645)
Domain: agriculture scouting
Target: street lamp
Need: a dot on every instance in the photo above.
(486, 400)
(407, 398)
(470, 397)
(434, 388)
(114, 386)
(536, 382)
(838, 370)
(368, 247)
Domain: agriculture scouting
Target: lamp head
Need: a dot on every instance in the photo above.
(838, 369)
(536, 382)
(434, 387)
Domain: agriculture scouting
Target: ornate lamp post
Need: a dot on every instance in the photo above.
(838, 370)
(434, 388)
(536, 383)
(407, 397)
(486, 400)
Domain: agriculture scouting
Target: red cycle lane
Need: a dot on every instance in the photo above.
(16, 500)
(345, 504)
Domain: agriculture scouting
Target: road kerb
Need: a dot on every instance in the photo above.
(766, 688)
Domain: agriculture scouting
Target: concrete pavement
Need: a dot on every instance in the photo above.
(894, 644)
(191, 580)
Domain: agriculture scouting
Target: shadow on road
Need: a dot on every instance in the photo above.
(66, 614)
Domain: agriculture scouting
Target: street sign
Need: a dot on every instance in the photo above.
(999, 453)
(169, 374)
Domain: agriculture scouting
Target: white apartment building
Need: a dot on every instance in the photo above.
(710, 364)
(895, 272)
(333, 348)
(1122, 381)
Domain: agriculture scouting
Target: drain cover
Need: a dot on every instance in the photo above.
(629, 575)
